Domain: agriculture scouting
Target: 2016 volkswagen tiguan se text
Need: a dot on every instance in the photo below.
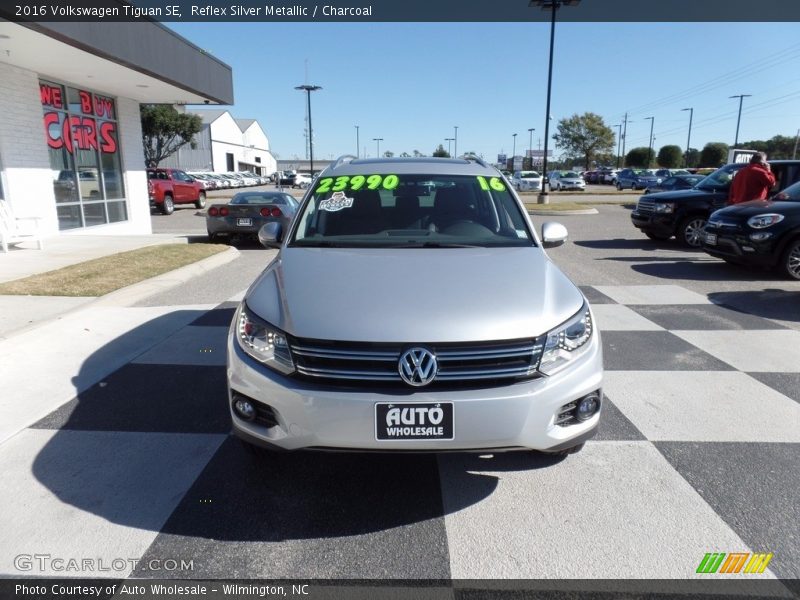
(411, 306)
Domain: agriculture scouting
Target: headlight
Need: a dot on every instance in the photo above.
(262, 341)
(762, 221)
(567, 342)
(664, 207)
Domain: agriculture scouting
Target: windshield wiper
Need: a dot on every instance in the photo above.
(435, 245)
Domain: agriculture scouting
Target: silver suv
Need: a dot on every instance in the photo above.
(412, 307)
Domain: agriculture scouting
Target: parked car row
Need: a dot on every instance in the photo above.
(759, 232)
(292, 178)
(216, 181)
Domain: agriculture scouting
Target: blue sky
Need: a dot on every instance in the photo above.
(410, 83)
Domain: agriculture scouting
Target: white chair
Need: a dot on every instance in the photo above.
(15, 230)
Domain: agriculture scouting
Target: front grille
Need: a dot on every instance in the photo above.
(645, 206)
(457, 362)
(724, 225)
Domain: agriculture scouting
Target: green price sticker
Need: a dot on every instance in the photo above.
(356, 182)
(495, 183)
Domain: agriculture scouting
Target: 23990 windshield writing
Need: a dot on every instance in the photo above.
(357, 182)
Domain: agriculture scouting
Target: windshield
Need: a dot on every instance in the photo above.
(529, 175)
(415, 211)
(721, 178)
(571, 174)
(263, 198)
(791, 193)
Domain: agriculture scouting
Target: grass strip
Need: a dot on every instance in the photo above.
(100, 276)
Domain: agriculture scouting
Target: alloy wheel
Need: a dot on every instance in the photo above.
(693, 231)
(792, 261)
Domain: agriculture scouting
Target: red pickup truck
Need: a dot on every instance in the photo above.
(168, 187)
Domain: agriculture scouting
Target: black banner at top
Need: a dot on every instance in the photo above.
(318, 11)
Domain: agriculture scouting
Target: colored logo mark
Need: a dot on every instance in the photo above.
(734, 562)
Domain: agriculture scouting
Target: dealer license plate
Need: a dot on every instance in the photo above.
(244, 222)
(407, 421)
(711, 239)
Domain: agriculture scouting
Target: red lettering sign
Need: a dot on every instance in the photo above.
(79, 132)
(86, 102)
(51, 95)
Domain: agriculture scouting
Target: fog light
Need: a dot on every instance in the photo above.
(244, 409)
(760, 236)
(587, 407)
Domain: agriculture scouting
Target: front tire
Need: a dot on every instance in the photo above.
(168, 205)
(690, 231)
(201, 200)
(619, 186)
(790, 261)
(568, 451)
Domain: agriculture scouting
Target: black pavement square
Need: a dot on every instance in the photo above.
(787, 384)
(703, 317)
(309, 515)
(220, 316)
(615, 426)
(150, 398)
(753, 487)
(655, 351)
(594, 296)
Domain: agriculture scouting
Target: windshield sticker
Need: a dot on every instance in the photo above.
(493, 184)
(337, 201)
(356, 182)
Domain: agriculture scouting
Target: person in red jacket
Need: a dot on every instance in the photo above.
(753, 182)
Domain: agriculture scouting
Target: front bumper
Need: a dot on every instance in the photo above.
(657, 223)
(741, 249)
(513, 416)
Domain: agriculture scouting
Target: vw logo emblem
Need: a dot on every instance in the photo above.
(417, 366)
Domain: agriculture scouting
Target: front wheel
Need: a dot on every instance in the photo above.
(790, 263)
(690, 231)
(168, 205)
(619, 186)
(201, 200)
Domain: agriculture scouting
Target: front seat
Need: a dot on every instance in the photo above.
(365, 216)
(452, 205)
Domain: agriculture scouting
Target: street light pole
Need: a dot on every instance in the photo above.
(741, 97)
(308, 89)
(619, 140)
(553, 6)
(689, 137)
(448, 140)
(378, 140)
(650, 143)
(514, 151)
(455, 141)
(357, 142)
(530, 143)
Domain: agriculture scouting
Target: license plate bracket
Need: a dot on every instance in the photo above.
(711, 239)
(244, 222)
(412, 421)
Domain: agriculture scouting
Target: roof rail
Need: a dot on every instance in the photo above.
(343, 159)
(475, 158)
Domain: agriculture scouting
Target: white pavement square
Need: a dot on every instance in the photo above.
(46, 366)
(774, 351)
(624, 512)
(616, 317)
(99, 495)
(651, 294)
(702, 406)
(202, 346)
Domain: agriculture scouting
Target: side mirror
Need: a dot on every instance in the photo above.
(553, 234)
(270, 235)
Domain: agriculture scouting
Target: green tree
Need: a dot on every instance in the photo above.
(638, 157)
(692, 158)
(714, 154)
(404, 155)
(388, 154)
(165, 130)
(777, 147)
(440, 152)
(418, 154)
(585, 136)
(670, 156)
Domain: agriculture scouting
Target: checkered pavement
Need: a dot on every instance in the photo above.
(698, 451)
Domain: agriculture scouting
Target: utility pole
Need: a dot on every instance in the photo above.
(455, 142)
(650, 145)
(357, 142)
(741, 97)
(619, 140)
(796, 139)
(624, 132)
(689, 137)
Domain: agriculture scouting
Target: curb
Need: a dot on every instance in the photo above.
(131, 294)
(555, 213)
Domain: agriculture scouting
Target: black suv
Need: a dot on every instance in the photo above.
(760, 233)
(684, 213)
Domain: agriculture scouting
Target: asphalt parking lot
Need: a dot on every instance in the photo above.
(698, 451)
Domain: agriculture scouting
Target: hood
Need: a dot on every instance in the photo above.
(677, 195)
(746, 210)
(414, 295)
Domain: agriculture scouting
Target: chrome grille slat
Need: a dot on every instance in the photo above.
(457, 361)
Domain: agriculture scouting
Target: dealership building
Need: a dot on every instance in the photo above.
(70, 133)
(224, 144)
